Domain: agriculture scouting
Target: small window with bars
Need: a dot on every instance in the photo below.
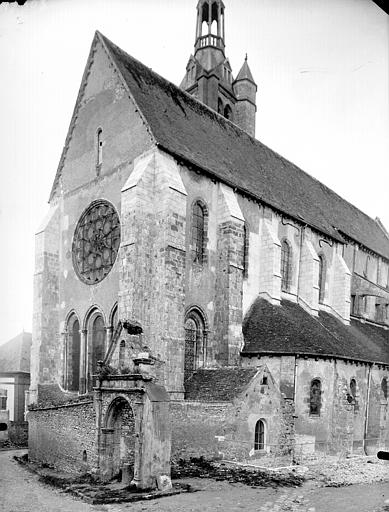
(259, 435)
(315, 398)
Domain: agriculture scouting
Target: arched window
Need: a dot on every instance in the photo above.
(198, 232)
(96, 345)
(214, 14)
(384, 387)
(285, 266)
(73, 350)
(228, 112)
(353, 388)
(204, 19)
(220, 107)
(315, 398)
(195, 342)
(259, 435)
(99, 144)
(322, 278)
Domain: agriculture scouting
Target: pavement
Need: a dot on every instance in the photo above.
(20, 491)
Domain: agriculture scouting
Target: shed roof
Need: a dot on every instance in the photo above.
(219, 384)
(289, 329)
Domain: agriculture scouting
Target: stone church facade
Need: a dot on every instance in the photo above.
(191, 284)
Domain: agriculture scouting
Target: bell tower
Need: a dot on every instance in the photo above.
(209, 44)
(209, 75)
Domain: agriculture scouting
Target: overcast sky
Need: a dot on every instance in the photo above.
(322, 69)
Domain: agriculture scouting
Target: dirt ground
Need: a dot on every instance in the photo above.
(20, 491)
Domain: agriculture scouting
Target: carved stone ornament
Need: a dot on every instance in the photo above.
(96, 242)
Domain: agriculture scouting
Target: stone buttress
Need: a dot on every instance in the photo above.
(152, 257)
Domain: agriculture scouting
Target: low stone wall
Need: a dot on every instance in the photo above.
(197, 428)
(64, 437)
(223, 430)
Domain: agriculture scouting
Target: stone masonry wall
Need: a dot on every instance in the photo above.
(345, 424)
(58, 436)
(152, 273)
(197, 428)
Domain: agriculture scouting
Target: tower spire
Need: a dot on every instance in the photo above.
(208, 72)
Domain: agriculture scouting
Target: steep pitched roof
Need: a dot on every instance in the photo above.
(289, 329)
(191, 131)
(15, 354)
(218, 385)
(245, 73)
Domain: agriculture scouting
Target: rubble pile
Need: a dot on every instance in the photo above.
(198, 467)
(350, 471)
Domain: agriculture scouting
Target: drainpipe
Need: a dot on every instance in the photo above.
(294, 405)
(367, 408)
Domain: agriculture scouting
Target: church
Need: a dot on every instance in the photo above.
(195, 293)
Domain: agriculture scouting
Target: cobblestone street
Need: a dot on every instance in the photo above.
(22, 492)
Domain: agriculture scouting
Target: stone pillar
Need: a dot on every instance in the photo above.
(269, 286)
(309, 279)
(64, 344)
(83, 360)
(46, 347)
(340, 285)
(229, 279)
(152, 254)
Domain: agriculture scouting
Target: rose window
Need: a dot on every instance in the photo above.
(96, 242)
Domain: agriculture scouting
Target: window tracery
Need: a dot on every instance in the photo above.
(195, 342)
(96, 242)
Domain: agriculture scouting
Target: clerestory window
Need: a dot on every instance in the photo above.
(286, 270)
(198, 232)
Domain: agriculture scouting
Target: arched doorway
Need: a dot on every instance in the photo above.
(120, 439)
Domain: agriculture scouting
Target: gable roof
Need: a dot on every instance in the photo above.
(219, 384)
(190, 131)
(15, 354)
(289, 329)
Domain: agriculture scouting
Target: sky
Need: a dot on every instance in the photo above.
(322, 69)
